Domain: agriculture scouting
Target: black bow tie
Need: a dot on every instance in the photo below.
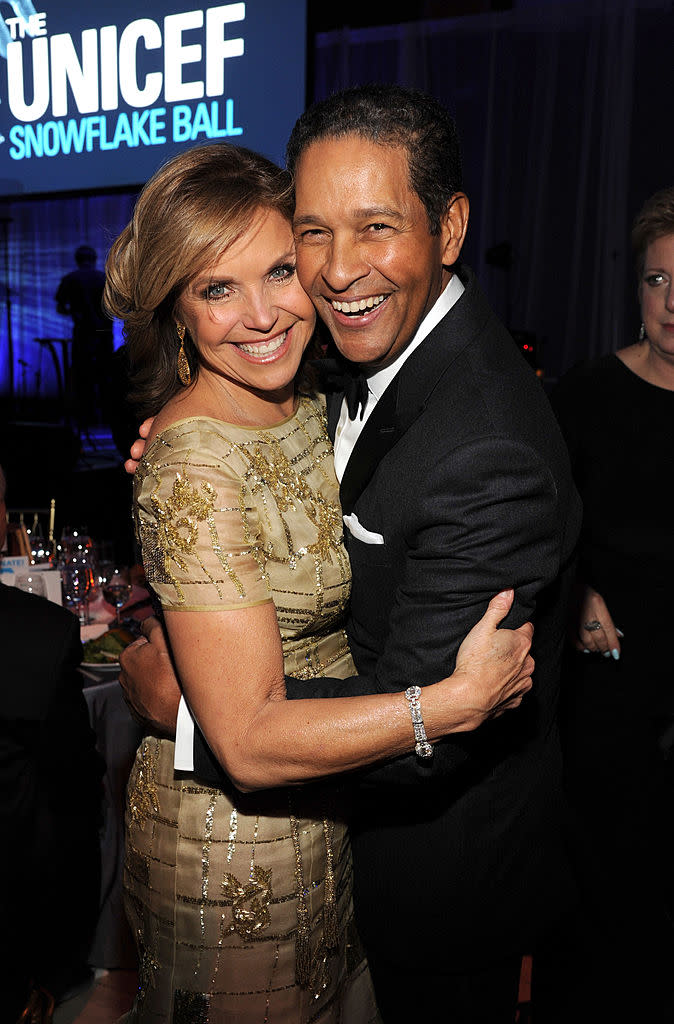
(339, 375)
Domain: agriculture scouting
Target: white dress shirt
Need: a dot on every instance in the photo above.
(348, 432)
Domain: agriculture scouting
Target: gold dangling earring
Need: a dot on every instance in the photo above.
(642, 332)
(183, 365)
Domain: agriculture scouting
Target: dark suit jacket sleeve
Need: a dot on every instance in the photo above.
(488, 519)
(50, 773)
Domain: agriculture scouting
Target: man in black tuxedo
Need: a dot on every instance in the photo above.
(50, 802)
(455, 484)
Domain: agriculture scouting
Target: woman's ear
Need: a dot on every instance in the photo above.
(454, 227)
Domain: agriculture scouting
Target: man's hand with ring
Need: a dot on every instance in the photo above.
(148, 679)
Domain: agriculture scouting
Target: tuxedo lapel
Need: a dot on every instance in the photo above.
(405, 397)
(333, 408)
(376, 438)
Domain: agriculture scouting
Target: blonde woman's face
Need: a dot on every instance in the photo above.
(248, 315)
(657, 295)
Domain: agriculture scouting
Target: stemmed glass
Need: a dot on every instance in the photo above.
(40, 549)
(117, 588)
(78, 582)
(70, 542)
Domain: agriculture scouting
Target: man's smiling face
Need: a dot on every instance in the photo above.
(365, 253)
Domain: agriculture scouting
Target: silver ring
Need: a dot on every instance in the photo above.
(592, 626)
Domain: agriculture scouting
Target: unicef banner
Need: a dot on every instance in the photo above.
(95, 95)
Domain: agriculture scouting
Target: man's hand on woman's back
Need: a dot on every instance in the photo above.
(138, 446)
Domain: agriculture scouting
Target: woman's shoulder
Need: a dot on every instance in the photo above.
(598, 368)
(588, 377)
(185, 461)
(180, 436)
(587, 395)
(178, 433)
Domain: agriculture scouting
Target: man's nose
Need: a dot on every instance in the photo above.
(345, 264)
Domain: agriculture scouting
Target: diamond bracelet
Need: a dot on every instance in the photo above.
(422, 748)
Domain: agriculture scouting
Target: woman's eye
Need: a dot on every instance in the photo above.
(282, 273)
(653, 280)
(216, 291)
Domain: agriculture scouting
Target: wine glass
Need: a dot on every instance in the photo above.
(40, 548)
(66, 546)
(78, 581)
(85, 550)
(117, 588)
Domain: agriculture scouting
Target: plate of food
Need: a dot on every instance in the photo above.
(102, 654)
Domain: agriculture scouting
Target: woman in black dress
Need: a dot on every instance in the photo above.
(617, 414)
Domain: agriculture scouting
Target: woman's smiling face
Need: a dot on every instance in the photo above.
(248, 316)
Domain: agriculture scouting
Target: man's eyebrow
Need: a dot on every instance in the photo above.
(365, 213)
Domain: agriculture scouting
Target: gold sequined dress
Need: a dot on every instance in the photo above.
(241, 904)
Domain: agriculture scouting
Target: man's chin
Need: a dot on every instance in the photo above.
(362, 350)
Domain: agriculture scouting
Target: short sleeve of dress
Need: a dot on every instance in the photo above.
(198, 530)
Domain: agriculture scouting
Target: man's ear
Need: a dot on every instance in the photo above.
(454, 227)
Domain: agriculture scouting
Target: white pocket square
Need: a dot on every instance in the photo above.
(360, 533)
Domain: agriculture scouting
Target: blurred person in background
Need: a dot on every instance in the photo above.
(617, 415)
(50, 801)
(80, 296)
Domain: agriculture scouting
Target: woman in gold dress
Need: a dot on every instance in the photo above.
(240, 898)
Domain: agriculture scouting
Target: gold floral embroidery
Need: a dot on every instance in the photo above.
(143, 800)
(250, 901)
(274, 470)
(177, 529)
(271, 470)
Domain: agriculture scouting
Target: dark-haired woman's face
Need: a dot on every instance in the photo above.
(248, 316)
(657, 296)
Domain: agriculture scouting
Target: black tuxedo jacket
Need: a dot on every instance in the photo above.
(50, 795)
(461, 468)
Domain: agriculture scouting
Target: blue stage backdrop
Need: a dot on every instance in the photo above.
(98, 95)
(94, 97)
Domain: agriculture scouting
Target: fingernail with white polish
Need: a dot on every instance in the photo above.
(616, 653)
(607, 654)
(586, 650)
(620, 633)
